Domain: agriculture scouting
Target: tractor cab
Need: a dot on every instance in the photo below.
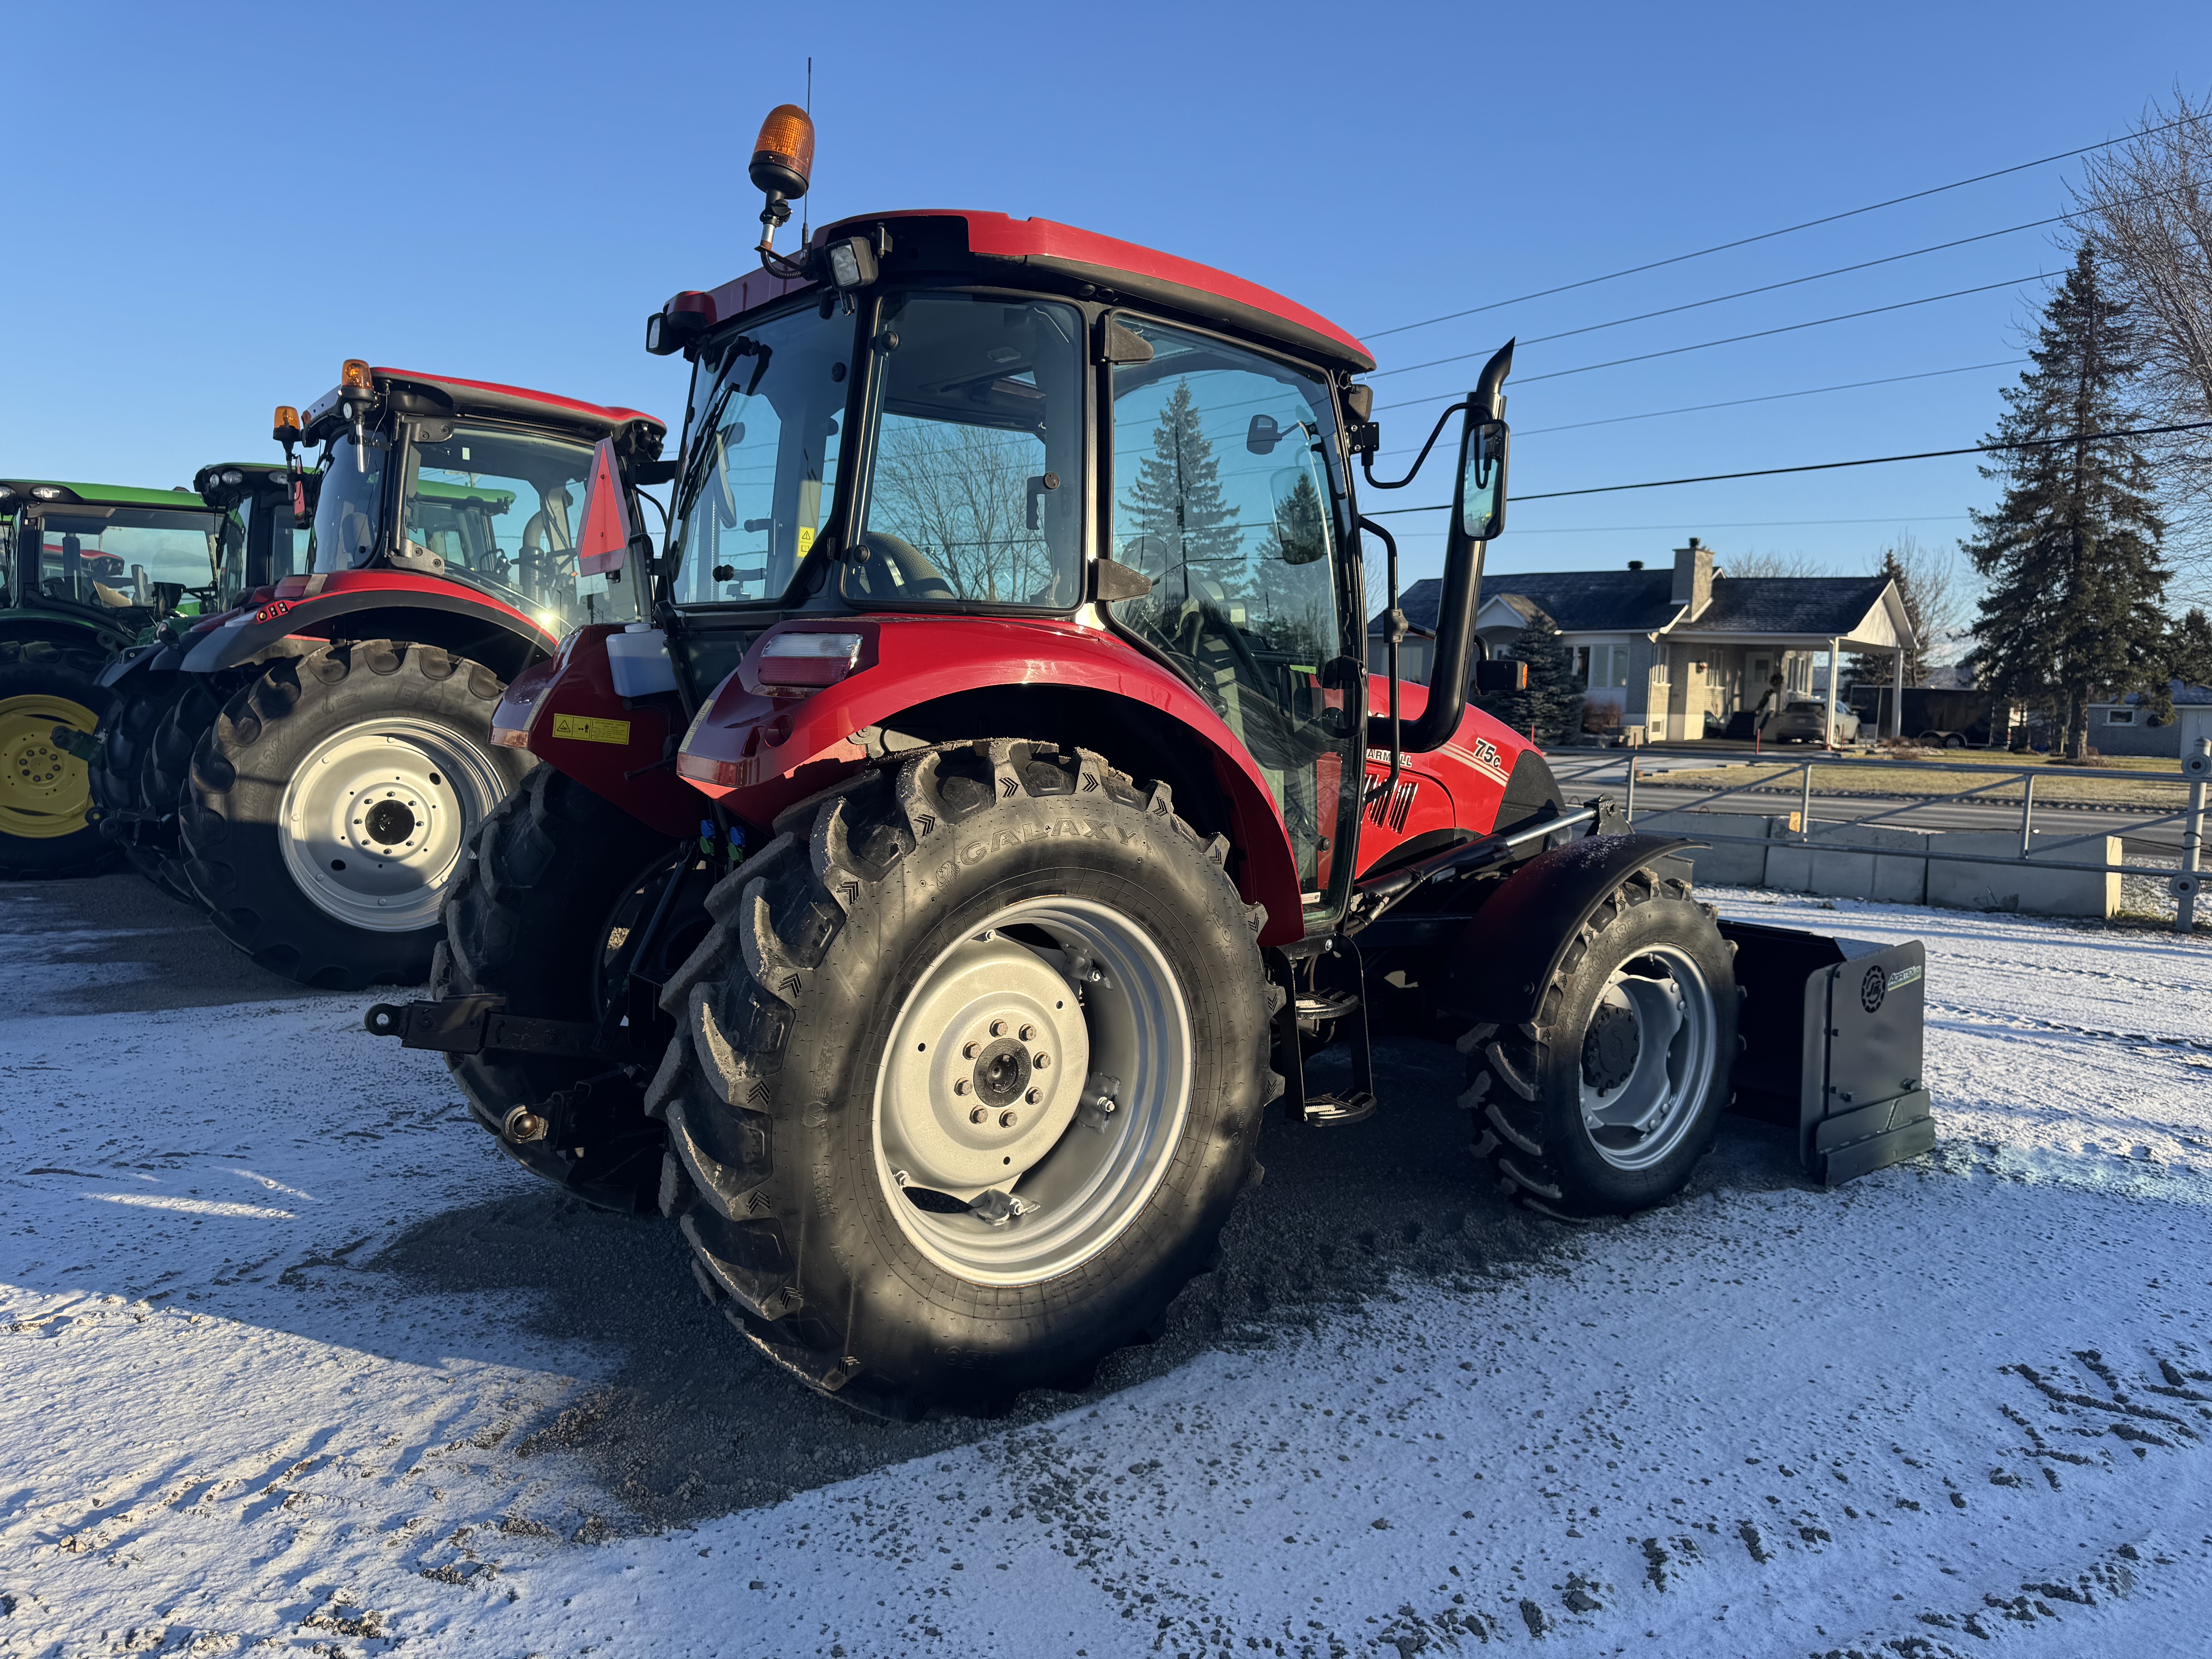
(468, 482)
(261, 542)
(107, 557)
(1016, 437)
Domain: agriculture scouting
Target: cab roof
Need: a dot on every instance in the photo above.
(489, 397)
(96, 495)
(974, 243)
(420, 393)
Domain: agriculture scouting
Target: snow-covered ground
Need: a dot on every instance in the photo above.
(289, 1360)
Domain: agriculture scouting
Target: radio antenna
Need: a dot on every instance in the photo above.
(804, 211)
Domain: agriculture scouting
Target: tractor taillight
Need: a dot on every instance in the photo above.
(721, 774)
(806, 661)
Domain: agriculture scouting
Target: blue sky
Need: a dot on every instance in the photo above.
(215, 205)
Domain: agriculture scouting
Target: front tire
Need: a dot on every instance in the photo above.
(998, 929)
(331, 802)
(45, 791)
(558, 882)
(1605, 1102)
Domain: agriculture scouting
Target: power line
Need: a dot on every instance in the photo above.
(1829, 466)
(1769, 235)
(1746, 523)
(1757, 334)
(1732, 403)
(1744, 293)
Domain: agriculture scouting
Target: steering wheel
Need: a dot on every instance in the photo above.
(1211, 621)
(885, 567)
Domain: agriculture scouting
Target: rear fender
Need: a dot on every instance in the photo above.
(376, 604)
(757, 753)
(1506, 955)
(127, 672)
(565, 711)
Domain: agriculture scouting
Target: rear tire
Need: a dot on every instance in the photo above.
(795, 1103)
(166, 774)
(331, 804)
(554, 871)
(127, 736)
(1605, 1102)
(45, 791)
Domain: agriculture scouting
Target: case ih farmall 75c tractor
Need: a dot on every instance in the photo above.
(338, 722)
(975, 845)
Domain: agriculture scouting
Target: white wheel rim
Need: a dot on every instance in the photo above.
(1638, 1118)
(1079, 1170)
(376, 818)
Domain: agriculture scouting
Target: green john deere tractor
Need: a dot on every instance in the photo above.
(85, 571)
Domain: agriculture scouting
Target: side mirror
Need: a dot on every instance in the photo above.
(1479, 508)
(1261, 436)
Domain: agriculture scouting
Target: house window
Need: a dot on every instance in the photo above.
(1601, 666)
(2119, 717)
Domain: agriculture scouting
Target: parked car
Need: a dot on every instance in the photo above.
(1800, 720)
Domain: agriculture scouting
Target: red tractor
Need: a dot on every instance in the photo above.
(926, 906)
(327, 747)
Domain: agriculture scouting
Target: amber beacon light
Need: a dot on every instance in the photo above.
(783, 157)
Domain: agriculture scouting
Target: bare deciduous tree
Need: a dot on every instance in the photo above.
(2149, 203)
(1769, 564)
(958, 493)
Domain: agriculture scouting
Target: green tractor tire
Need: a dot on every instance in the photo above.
(45, 791)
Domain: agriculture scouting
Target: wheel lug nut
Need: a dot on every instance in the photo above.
(1041, 1062)
(1007, 1120)
(959, 1085)
(979, 1114)
(1027, 1032)
(998, 1028)
(1035, 1096)
(968, 1050)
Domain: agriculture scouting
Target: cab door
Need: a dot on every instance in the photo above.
(1227, 494)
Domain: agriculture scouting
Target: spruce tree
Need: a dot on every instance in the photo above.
(1176, 500)
(1549, 709)
(2188, 654)
(2071, 552)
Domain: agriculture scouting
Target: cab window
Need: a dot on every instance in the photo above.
(500, 509)
(115, 558)
(975, 492)
(760, 472)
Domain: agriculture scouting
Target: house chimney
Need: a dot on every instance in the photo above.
(1693, 576)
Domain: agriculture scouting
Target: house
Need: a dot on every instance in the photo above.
(1660, 651)
(2130, 726)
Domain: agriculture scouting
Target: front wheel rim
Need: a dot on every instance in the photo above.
(1005, 1172)
(45, 791)
(376, 816)
(1649, 1054)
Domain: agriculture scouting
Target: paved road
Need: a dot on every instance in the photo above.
(1579, 774)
